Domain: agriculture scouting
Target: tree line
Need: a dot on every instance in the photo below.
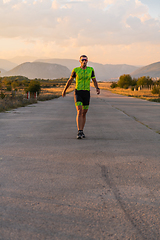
(126, 81)
(13, 83)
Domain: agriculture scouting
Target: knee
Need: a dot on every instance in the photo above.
(84, 113)
(79, 112)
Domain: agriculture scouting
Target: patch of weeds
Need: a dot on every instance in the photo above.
(47, 97)
(8, 104)
(154, 100)
(2, 95)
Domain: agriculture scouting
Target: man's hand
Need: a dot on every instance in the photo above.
(98, 91)
(63, 93)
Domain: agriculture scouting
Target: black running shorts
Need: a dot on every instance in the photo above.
(82, 98)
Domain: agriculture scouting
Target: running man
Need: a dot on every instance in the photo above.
(83, 75)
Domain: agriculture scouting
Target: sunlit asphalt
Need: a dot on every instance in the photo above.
(55, 187)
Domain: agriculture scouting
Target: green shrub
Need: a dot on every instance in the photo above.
(134, 82)
(9, 88)
(125, 86)
(125, 81)
(34, 86)
(2, 95)
(114, 85)
(156, 90)
(145, 81)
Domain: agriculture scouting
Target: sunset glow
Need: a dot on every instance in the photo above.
(108, 31)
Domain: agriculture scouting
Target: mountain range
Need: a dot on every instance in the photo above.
(58, 68)
(152, 70)
(54, 68)
(39, 70)
(6, 65)
(103, 72)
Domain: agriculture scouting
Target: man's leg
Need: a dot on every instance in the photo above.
(84, 111)
(79, 118)
(82, 103)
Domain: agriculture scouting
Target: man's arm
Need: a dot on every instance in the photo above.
(67, 85)
(96, 85)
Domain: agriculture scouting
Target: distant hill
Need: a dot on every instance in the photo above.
(39, 70)
(152, 70)
(103, 72)
(7, 65)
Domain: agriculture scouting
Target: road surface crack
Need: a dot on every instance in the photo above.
(134, 118)
(142, 227)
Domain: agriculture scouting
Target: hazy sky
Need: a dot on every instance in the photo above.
(108, 31)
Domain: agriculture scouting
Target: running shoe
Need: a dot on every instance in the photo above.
(83, 135)
(79, 135)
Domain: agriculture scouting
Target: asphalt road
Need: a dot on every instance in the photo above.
(55, 187)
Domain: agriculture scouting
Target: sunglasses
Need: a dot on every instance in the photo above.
(84, 60)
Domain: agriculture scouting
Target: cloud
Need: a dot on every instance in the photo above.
(55, 4)
(62, 20)
(78, 23)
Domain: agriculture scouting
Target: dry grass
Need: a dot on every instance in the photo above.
(12, 103)
(20, 100)
(54, 92)
(142, 94)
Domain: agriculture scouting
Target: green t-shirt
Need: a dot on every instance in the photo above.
(83, 77)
